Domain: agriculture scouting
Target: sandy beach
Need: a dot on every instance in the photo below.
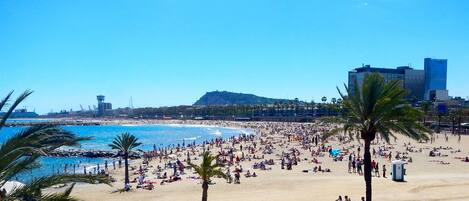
(444, 177)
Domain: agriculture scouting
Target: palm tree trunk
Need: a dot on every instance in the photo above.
(367, 172)
(126, 166)
(204, 191)
(453, 126)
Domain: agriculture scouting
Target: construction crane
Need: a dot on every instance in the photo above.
(89, 107)
(82, 108)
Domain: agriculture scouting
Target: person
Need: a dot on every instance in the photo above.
(340, 198)
(237, 177)
(359, 167)
(346, 198)
(377, 169)
(127, 187)
(363, 198)
(384, 171)
(349, 166)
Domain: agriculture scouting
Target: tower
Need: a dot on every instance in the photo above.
(435, 79)
(100, 99)
(100, 105)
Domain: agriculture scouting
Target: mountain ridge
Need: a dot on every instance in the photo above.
(232, 98)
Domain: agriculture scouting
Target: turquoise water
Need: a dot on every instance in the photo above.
(149, 135)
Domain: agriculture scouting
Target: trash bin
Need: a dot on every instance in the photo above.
(398, 170)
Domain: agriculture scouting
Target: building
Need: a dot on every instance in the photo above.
(435, 79)
(427, 84)
(103, 107)
(21, 113)
(411, 80)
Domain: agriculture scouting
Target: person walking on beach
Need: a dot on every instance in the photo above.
(384, 171)
(349, 166)
(359, 167)
(377, 169)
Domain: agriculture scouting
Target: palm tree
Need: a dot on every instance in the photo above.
(425, 107)
(378, 108)
(206, 170)
(125, 143)
(21, 152)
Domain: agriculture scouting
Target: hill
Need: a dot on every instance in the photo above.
(230, 98)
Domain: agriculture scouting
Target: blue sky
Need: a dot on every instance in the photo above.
(170, 52)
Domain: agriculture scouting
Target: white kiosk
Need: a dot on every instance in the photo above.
(398, 170)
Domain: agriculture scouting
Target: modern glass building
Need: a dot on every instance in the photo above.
(411, 80)
(414, 83)
(435, 76)
(427, 84)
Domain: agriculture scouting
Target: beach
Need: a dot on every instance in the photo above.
(443, 177)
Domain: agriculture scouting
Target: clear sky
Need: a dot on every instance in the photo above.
(170, 52)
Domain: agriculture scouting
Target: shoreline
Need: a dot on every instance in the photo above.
(429, 178)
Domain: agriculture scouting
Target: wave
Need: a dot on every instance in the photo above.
(130, 125)
(218, 133)
(191, 138)
(190, 126)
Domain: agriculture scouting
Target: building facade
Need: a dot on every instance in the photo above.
(103, 107)
(411, 80)
(435, 79)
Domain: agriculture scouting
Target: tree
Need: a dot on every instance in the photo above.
(377, 108)
(125, 143)
(425, 107)
(22, 151)
(206, 170)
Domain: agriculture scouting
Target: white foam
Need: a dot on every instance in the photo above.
(218, 133)
(190, 138)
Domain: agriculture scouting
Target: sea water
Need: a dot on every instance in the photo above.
(159, 135)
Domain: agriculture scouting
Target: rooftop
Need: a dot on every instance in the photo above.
(368, 68)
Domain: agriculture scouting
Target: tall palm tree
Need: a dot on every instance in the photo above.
(378, 108)
(206, 170)
(125, 143)
(21, 152)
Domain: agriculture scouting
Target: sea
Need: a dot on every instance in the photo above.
(150, 135)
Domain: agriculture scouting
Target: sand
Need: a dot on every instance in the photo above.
(425, 180)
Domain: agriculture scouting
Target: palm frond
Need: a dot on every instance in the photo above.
(377, 107)
(64, 196)
(5, 100)
(18, 100)
(33, 188)
(125, 142)
(207, 169)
